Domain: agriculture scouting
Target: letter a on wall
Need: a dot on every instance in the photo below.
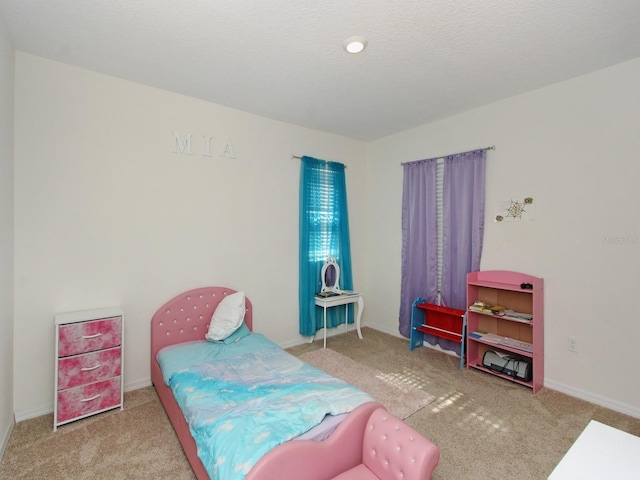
(227, 151)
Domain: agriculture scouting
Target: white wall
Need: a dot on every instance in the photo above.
(573, 147)
(107, 214)
(6, 235)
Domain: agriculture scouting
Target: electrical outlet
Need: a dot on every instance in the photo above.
(573, 344)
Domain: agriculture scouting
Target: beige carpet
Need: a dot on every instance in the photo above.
(136, 443)
(486, 428)
(396, 393)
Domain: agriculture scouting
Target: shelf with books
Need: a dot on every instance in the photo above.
(505, 315)
(504, 343)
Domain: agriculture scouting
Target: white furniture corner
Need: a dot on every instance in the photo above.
(89, 362)
(600, 452)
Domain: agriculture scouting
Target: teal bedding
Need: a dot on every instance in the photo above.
(245, 398)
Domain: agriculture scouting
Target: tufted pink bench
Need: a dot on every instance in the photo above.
(392, 450)
(370, 445)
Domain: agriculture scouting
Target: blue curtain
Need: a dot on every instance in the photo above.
(463, 229)
(324, 231)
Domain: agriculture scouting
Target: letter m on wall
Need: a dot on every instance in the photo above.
(180, 145)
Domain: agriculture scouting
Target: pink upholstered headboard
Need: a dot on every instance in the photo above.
(186, 317)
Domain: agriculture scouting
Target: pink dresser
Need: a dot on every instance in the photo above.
(88, 363)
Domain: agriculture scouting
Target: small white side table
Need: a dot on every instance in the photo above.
(343, 299)
(600, 452)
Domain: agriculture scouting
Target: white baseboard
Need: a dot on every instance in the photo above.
(593, 398)
(36, 412)
(5, 438)
(393, 333)
(136, 385)
(319, 336)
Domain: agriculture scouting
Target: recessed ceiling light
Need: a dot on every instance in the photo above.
(355, 44)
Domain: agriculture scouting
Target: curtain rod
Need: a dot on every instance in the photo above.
(327, 161)
(492, 147)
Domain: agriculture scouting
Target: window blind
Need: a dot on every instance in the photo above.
(439, 224)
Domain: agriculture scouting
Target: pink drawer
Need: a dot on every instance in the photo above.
(80, 401)
(88, 368)
(84, 337)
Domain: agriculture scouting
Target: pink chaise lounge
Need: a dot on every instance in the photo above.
(379, 446)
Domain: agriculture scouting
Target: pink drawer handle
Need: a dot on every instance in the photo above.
(92, 398)
(88, 369)
(91, 336)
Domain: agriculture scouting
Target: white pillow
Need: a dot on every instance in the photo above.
(227, 318)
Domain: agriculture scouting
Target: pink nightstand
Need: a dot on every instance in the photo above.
(88, 363)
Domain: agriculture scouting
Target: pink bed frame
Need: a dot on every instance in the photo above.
(185, 318)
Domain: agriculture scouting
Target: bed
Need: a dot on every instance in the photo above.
(184, 320)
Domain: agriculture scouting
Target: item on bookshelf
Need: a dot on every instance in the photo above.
(507, 365)
(525, 317)
(484, 307)
(517, 344)
(497, 310)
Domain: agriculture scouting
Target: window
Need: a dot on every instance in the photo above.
(439, 225)
(323, 199)
(442, 229)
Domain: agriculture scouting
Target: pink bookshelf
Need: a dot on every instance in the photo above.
(516, 331)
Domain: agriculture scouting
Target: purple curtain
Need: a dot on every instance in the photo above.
(463, 224)
(419, 233)
(463, 228)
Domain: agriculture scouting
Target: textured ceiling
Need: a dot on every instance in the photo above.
(283, 59)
